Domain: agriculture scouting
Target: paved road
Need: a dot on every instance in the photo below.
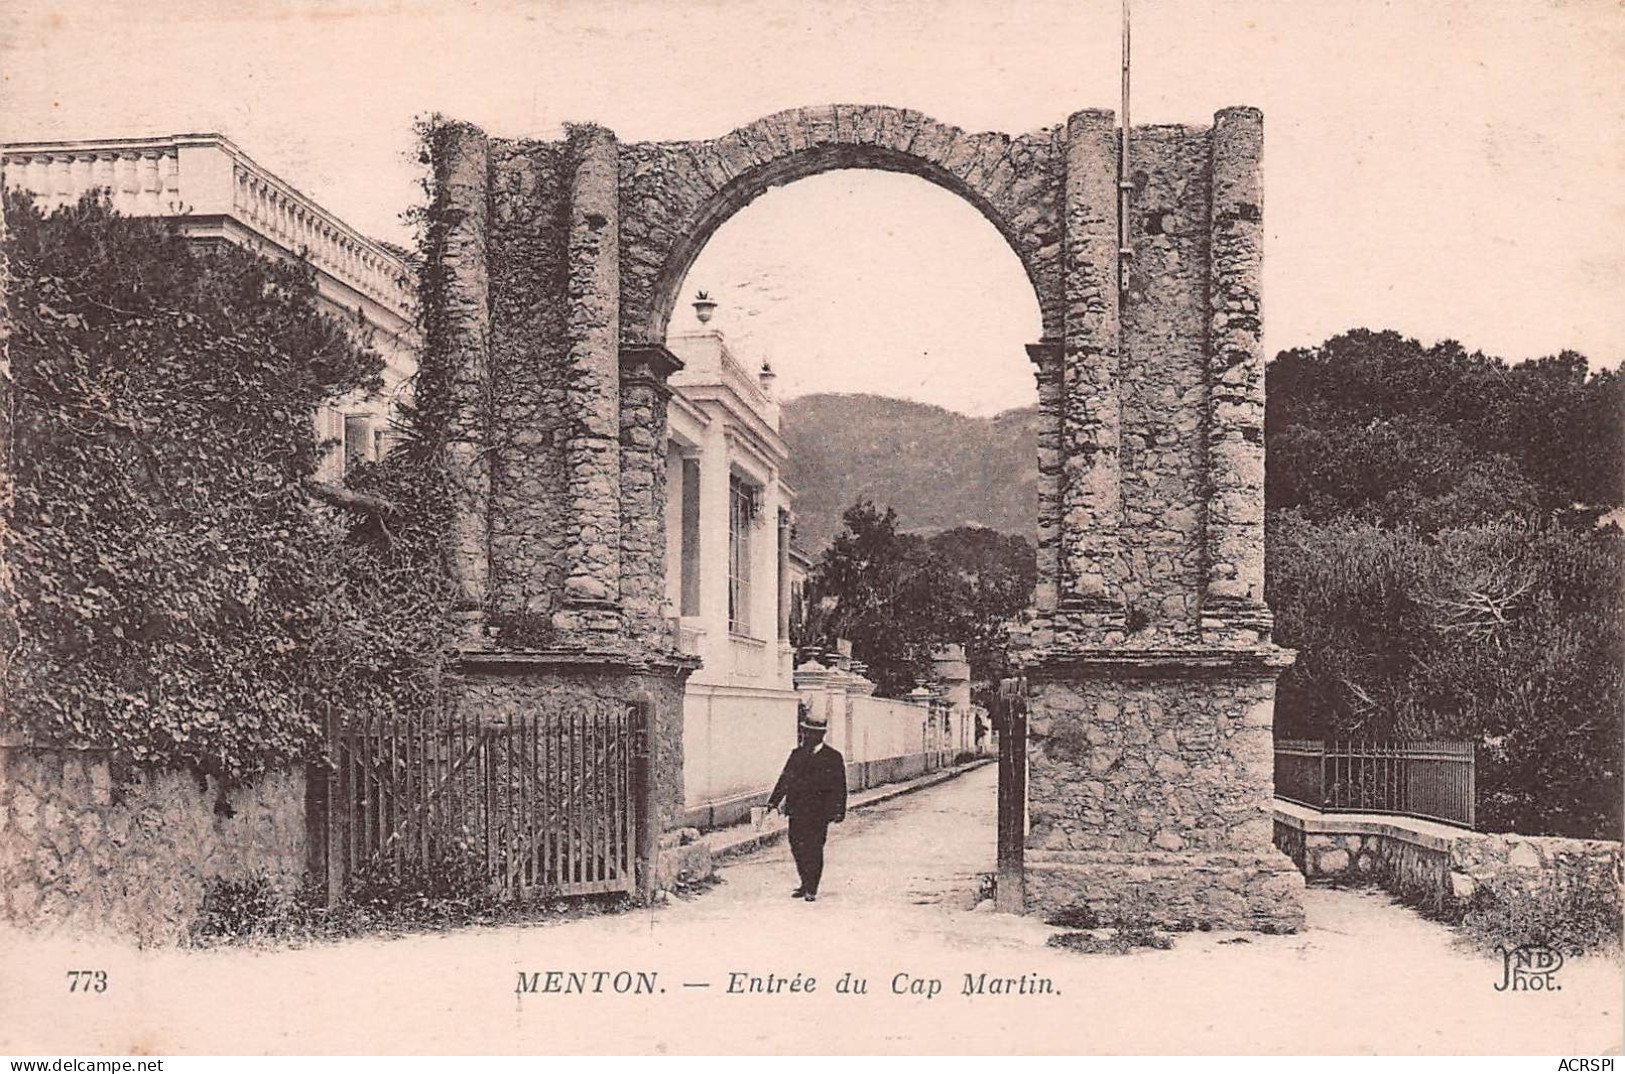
(1368, 976)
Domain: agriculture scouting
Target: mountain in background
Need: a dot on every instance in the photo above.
(938, 469)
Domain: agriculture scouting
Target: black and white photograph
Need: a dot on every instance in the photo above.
(780, 528)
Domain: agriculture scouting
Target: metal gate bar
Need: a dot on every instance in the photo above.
(1011, 724)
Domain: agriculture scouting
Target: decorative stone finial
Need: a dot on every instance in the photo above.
(704, 306)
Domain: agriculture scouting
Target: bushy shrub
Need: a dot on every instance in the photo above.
(1507, 635)
(453, 882)
(181, 595)
(1076, 916)
(451, 892)
(1118, 941)
(240, 910)
(1575, 919)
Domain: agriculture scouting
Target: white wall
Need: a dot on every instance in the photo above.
(881, 739)
(734, 744)
(736, 739)
(886, 728)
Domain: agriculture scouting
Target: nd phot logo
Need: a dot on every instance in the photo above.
(1529, 967)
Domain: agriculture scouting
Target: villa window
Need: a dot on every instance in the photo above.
(742, 498)
(783, 566)
(688, 602)
(359, 445)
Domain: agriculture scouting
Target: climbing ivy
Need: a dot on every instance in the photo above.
(180, 596)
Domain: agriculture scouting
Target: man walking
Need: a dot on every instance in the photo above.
(812, 788)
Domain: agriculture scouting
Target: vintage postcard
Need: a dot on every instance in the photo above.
(762, 527)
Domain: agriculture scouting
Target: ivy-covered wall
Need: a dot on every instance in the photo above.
(187, 604)
(181, 597)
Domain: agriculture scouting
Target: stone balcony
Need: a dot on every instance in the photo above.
(216, 190)
(708, 361)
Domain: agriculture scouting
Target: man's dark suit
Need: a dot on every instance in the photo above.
(812, 788)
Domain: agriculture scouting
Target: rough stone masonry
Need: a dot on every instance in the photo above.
(1152, 675)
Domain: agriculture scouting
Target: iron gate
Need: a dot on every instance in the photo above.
(542, 803)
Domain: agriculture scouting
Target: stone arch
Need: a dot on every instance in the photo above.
(551, 272)
(674, 195)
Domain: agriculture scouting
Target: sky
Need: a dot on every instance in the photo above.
(1447, 169)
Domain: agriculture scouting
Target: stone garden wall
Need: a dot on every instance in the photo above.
(1436, 864)
(88, 848)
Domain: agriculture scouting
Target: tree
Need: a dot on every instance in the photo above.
(877, 591)
(1373, 425)
(897, 597)
(986, 580)
(1434, 558)
(180, 595)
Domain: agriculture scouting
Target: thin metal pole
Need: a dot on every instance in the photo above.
(1125, 252)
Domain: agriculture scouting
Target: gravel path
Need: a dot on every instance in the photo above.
(1368, 976)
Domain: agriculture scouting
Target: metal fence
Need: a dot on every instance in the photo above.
(1431, 780)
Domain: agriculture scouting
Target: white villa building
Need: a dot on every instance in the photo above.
(213, 192)
(732, 577)
(729, 575)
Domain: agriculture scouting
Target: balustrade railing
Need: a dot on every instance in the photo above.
(206, 175)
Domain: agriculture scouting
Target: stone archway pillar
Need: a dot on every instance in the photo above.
(457, 359)
(645, 393)
(591, 383)
(1234, 527)
(1152, 680)
(1090, 395)
(1048, 358)
(556, 445)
